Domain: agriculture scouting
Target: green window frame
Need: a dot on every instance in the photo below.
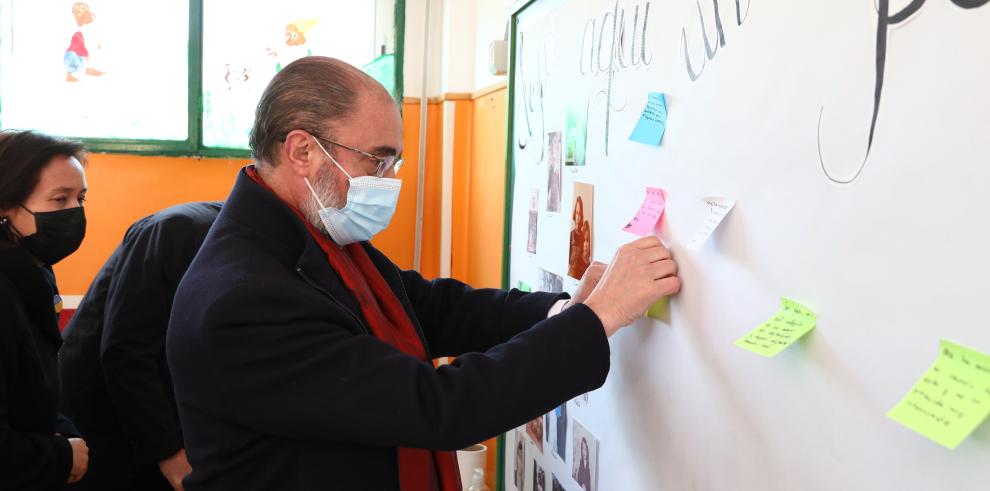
(193, 145)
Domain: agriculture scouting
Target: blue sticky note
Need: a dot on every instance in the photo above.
(653, 122)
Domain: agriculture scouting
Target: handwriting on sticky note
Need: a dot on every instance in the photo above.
(650, 213)
(789, 324)
(652, 123)
(523, 287)
(718, 208)
(952, 398)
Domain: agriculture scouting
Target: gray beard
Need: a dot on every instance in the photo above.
(322, 184)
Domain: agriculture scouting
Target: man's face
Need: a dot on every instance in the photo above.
(374, 127)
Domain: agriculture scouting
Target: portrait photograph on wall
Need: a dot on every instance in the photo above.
(550, 282)
(577, 134)
(534, 199)
(585, 457)
(582, 223)
(539, 477)
(556, 422)
(553, 171)
(535, 431)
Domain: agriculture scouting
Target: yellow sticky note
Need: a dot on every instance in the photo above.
(660, 310)
(951, 399)
(792, 321)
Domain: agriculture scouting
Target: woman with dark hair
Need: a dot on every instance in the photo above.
(42, 189)
(582, 473)
(578, 262)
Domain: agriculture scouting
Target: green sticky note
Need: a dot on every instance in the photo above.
(660, 310)
(523, 287)
(951, 399)
(792, 321)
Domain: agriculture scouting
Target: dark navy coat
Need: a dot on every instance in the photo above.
(280, 386)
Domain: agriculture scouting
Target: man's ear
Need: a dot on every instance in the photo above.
(301, 154)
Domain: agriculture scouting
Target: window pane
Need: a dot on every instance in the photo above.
(96, 69)
(245, 43)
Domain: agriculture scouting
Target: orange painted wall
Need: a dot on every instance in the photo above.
(486, 191)
(460, 213)
(399, 239)
(124, 188)
(479, 203)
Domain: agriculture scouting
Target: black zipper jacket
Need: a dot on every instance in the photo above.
(32, 456)
(116, 385)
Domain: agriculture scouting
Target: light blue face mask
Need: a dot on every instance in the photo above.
(370, 205)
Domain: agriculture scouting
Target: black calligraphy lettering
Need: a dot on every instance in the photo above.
(589, 50)
(884, 20)
(642, 45)
(710, 48)
(532, 93)
(741, 17)
(593, 47)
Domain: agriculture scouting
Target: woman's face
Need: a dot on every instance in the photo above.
(578, 216)
(61, 185)
(584, 449)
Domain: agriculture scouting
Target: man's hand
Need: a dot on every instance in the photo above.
(641, 273)
(588, 283)
(80, 459)
(175, 468)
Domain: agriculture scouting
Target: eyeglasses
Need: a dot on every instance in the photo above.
(392, 162)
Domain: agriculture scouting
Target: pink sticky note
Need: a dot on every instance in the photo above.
(650, 213)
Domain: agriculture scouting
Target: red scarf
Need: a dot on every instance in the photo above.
(419, 470)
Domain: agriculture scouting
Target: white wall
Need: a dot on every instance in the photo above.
(490, 19)
(413, 69)
(458, 45)
(460, 32)
(384, 26)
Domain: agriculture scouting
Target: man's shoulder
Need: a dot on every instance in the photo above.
(183, 219)
(235, 258)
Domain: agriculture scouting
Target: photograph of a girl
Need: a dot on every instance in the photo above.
(534, 198)
(582, 221)
(553, 172)
(539, 477)
(585, 468)
(519, 475)
(535, 431)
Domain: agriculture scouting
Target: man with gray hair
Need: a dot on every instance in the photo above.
(301, 356)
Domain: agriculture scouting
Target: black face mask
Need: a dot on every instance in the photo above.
(59, 234)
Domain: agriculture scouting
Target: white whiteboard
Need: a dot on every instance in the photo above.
(891, 262)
